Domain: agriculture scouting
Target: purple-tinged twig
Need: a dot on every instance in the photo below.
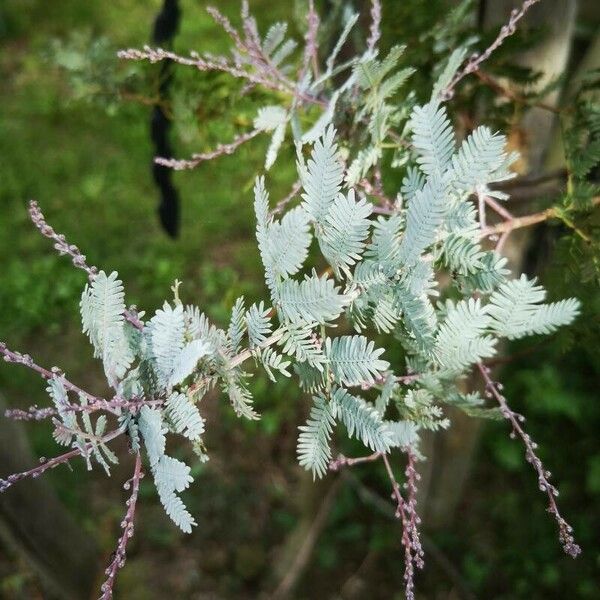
(343, 461)
(505, 214)
(225, 23)
(34, 413)
(46, 465)
(39, 470)
(201, 63)
(63, 247)
(131, 316)
(119, 555)
(25, 359)
(412, 477)
(497, 207)
(376, 190)
(375, 29)
(196, 159)
(311, 48)
(287, 199)
(403, 379)
(410, 552)
(565, 531)
(474, 61)
(253, 44)
(405, 510)
(60, 243)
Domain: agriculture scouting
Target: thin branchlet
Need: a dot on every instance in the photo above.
(375, 28)
(79, 260)
(343, 461)
(287, 199)
(311, 47)
(202, 63)
(410, 506)
(565, 531)
(406, 509)
(127, 525)
(46, 465)
(26, 360)
(475, 60)
(60, 243)
(196, 159)
(413, 555)
(35, 413)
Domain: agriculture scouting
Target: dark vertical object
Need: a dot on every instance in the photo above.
(165, 27)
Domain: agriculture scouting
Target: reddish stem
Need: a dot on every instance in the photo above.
(119, 555)
(60, 242)
(53, 462)
(474, 62)
(565, 531)
(25, 359)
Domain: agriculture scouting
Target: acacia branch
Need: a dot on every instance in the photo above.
(475, 60)
(196, 159)
(119, 556)
(565, 530)
(34, 413)
(64, 247)
(527, 220)
(25, 359)
(54, 462)
(375, 28)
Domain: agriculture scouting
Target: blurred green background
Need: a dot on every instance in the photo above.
(88, 165)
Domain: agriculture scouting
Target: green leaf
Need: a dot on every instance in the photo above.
(315, 299)
(353, 360)
(322, 177)
(361, 420)
(314, 453)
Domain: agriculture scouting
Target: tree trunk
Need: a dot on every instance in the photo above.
(37, 526)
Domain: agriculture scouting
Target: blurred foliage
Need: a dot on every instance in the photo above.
(74, 135)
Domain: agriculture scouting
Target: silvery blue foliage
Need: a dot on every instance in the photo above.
(383, 278)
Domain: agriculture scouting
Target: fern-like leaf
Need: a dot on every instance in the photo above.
(322, 177)
(186, 362)
(153, 433)
(424, 217)
(314, 453)
(102, 306)
(258, 323)
(361, 420)
(315, 299)
(184, 416)
(461, 339)
(353, 359)
(481, 160)
(300, 342)
(271, 360)
(344, 231)
(167, 329)
(237, 325)
(283, 246)
(433, 137)
(516, 311)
